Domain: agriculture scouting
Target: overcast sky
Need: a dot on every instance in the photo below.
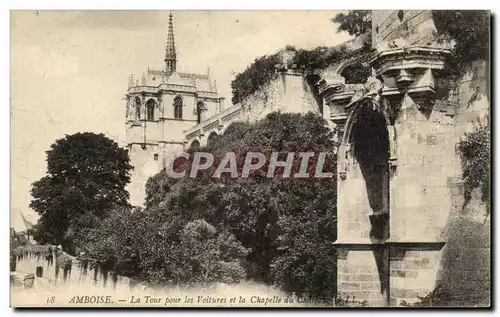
(69, 69)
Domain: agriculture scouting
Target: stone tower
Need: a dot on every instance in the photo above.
(160, 107)
(398, 169)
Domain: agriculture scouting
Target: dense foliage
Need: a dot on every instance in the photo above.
(262, 71)
(257, 75)
(355, 22)
(474, 149)
(203, 230)
(286, 224)
(471, 31)
(86, 178)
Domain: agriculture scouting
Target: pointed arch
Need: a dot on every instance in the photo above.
(178, 104)
(137, 105)
(150, 110)
(357, 105)
(200, 108)
(212, 138)
(194, 145)
(356, 73)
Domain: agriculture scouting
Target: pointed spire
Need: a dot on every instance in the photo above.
(170, 56)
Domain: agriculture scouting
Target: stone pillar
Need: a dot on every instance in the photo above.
(419, 196)
(390, 236)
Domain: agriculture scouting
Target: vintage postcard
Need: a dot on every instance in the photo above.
(250, 159)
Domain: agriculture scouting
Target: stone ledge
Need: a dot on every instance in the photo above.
(367, 244)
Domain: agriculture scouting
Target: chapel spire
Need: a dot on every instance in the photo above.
(170, 56)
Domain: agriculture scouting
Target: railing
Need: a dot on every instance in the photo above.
(227, 115)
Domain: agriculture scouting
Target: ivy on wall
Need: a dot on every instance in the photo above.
(257, 75)
(474, 150)
(471, 31)
(262, 70)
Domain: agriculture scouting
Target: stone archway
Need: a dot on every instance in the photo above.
(364, 157)
(212, 138)
(368, 138)
(195, 145)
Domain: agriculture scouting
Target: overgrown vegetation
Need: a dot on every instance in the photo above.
(474, 150)
(257, 75)
(277, 231)
(471, 31)
(86, 178)
(262, 70)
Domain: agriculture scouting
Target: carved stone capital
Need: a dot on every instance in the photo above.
(393, 61)
(411, 71)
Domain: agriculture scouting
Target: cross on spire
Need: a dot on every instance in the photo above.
(170, 56)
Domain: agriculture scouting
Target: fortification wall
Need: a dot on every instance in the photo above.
(288, 93)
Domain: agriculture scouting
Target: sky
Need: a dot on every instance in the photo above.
(69, 69)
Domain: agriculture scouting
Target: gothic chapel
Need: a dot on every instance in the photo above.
(160, 107)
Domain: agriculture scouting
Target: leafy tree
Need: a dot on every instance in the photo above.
(208, 256)
(355, 22)
(86, 178)
(113, 242)
(471, 31)
(287, 224)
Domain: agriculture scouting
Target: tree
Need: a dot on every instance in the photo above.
(355, 22)
(210, 257)
(86, 178)
(287, 224)
(471, 31)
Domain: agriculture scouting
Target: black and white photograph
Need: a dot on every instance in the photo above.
(250, 159)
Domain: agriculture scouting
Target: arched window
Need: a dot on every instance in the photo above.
(178, 107)
(195, 145)
(356, 73)
(137, 108)
(200, 107)
(150, 107)
(212, 138)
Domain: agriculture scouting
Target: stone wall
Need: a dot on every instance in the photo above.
(465, 270)
(406, 27)
(435, 242)
(82, 275)
(289, 93)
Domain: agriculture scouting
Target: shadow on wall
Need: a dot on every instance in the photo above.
(464, 277)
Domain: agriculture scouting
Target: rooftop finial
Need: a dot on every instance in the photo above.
(170, 56)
